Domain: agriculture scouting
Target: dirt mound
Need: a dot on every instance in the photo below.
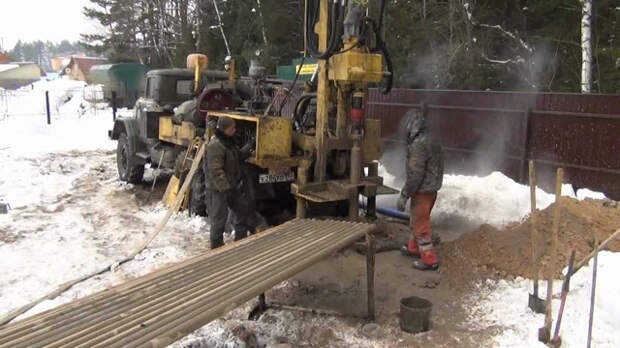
(507, 252)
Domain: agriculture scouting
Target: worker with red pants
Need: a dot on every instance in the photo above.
(424, 179)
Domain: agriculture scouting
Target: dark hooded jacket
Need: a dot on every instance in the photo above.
(424, 158)
(223, 163)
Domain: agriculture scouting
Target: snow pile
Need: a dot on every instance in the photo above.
(494, 199)
(503, 305)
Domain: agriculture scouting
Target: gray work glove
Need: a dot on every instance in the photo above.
(401, 204)
(249, 146)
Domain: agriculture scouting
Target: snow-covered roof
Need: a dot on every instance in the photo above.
(5, 67)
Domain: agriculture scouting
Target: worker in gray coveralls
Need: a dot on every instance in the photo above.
(224, 180)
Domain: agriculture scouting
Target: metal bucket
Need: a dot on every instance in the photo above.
(415, 314)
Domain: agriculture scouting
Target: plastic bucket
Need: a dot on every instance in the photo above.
(415, 314)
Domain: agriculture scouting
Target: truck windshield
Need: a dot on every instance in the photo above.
(185, 87)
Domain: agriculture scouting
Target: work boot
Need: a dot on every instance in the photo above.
(216, 243)
(406, 252)
(420, 265)
(216, 238)
(239, 235)
(428, 258)
(411, 249)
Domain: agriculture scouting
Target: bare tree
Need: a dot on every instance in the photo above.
(519, 55)
(586, 46)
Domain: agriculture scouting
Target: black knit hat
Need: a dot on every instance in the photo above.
(224, 122)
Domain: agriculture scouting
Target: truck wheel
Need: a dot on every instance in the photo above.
(198, 195)
(127, 172)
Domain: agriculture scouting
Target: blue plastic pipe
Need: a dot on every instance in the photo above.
(388, 212)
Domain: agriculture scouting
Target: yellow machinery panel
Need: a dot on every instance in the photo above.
(354, 66)
(182, 134)
(274, 139)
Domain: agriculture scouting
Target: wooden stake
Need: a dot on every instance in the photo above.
(534, 232)
(593, 292)
(545, 332)
(370, 275)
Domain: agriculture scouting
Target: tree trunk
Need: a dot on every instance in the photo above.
(262, 22)
(586, 46)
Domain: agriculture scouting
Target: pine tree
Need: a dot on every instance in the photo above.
(452, 44)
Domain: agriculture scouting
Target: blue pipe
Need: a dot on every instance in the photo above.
(388, 212)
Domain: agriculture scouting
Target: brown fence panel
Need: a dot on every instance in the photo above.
(486, 131)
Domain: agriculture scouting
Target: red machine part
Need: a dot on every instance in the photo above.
(214, 99)
(357, 107)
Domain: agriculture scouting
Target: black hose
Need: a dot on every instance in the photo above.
(381, 47)
(301, 106)
(290, 90)
(388, 62)
(381, 13)
(311, 20)
(335, 30)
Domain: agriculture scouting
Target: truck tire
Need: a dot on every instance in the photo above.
(126, 171)
(197, 204)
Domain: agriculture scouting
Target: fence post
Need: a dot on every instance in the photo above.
(113, 106)
(526, 143)
(47, 107)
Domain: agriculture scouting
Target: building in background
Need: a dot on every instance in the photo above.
(18, 74)
(58, 63)
(61, 60)
(79, 67)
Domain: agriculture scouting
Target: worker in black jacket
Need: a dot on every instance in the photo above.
(224, 180)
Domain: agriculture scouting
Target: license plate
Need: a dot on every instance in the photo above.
(271, 178)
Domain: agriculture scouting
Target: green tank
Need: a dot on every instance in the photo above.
(126, 79)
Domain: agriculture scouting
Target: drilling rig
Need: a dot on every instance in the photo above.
(316, 160)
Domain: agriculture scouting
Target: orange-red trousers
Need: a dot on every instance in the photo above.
(420, 242)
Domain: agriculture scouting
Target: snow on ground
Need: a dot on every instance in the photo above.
(25, 139)
(503, 305)
(494, 199)
(71, 216)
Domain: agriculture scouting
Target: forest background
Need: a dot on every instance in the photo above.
(527, 45)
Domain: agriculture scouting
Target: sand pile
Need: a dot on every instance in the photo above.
(506, 252)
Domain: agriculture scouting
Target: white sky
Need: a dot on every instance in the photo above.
(44, 20)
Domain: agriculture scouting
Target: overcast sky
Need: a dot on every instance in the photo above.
(44, 20)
